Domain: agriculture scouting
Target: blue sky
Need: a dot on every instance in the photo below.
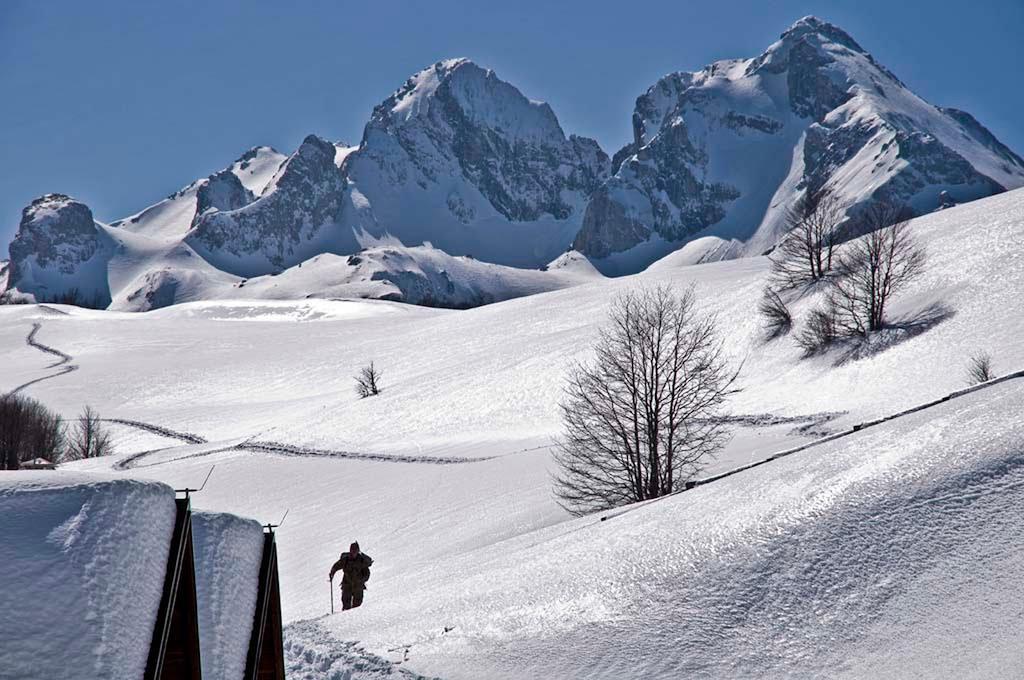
(122, 103)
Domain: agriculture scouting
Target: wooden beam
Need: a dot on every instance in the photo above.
(174, 650)
(266, 645)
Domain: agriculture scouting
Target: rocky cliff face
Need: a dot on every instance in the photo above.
(221, 192)
(299, 207)
(456, 155)
(55, 253)
(724, 150)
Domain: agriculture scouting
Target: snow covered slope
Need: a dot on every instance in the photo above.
(419, 275)
(85, 557)
(724, 151)
(510, 357)
(890, 553)
(808, 566)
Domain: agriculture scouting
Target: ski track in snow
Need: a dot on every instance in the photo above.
(290, 450)
(808, 425)
(278, 448)
(186, 437)
(271, 447)
(64, 360)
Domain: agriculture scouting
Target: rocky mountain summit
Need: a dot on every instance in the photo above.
(280, 228)
(462, 159)
(724, 150)
(58, 239)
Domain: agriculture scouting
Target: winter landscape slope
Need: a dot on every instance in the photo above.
(461, 160)
(809, 565)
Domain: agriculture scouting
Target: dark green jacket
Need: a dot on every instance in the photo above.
(355, 570)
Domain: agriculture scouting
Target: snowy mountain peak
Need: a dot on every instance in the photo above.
(49, 207)
(456, 154)
(257, 166)
(221, 191)
(721, 152)
(477, 94)
(316, 149)
(285, 225)
(253, 155)
(821, 30)
(413, 97)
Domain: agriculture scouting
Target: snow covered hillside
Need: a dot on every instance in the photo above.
(809, 565)
(724, 151)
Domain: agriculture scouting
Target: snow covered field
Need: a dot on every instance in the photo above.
(810, 565)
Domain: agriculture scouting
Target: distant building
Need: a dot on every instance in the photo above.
(38, 464)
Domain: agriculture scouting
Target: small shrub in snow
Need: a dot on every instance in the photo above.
(777, 319)
(819, 331)
(979, 369)
(368, 381)
(644, 415)
(88, 438)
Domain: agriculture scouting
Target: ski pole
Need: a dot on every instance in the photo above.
(330, 582)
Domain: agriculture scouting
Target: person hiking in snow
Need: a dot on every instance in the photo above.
(355, 569)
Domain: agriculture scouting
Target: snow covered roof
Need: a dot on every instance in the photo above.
(228, 553)
(84, 559)
(88, 556)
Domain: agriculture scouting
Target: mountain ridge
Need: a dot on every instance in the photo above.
(463, 161)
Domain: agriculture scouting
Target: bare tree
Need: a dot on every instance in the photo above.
(806, 254)
(643, 416)
(368, 381)
(12, 431)
(88, 439)
(777, 318)
(872, 268)
(979, 369)
(28, 430)
(45, 437)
